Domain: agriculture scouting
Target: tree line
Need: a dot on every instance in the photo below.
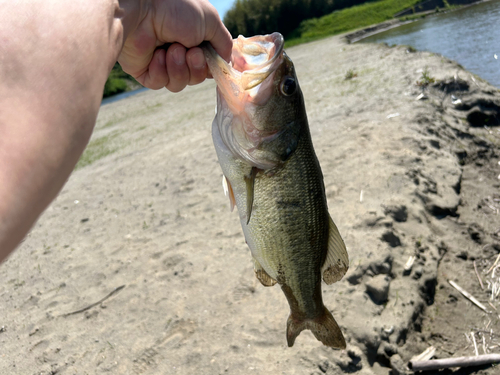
(257, 17)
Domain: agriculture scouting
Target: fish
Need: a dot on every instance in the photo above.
(272, 175)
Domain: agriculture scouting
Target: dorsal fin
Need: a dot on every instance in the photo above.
(337, 260)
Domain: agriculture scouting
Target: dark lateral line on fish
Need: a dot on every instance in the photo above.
(250, 182)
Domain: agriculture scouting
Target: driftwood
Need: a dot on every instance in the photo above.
(437, 364)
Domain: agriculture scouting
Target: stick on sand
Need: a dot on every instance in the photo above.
(116, 290)
(437, 364)
(468, 296)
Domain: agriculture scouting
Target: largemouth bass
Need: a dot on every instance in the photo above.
(273, 176)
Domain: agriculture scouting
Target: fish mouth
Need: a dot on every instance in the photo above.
(253, 60)
(243, 85)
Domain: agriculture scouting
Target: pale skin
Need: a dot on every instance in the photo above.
(55, 56)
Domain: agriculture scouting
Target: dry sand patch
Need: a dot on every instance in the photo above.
(404, 177)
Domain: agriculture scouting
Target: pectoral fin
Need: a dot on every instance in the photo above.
(337, 260)
(228, 189)
(250, 182)
(262, 275)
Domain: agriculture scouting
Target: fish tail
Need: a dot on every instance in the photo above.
(324, 327)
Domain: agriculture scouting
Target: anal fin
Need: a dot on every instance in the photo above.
(262, 275)
(337, 260)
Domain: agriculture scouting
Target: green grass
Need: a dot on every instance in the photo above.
(426, 78)
(348, 19)
(97, 149)
(350, 74)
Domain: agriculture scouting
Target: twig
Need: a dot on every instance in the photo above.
(468, 339)
(469, 296)
(437, 364)
(425, 355)
(494, 264)
(489, 332)
(116, 290)
(479, 278)
(474, 341)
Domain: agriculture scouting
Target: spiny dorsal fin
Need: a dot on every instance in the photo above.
(262, 275)
(250, 182)
(337, 260)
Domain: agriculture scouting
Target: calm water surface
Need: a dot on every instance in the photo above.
(470, 36)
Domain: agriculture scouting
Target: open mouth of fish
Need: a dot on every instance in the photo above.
(243, 85)
(253, 60)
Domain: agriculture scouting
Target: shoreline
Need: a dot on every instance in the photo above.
(122, 95)
(358, 35)
(366, 32)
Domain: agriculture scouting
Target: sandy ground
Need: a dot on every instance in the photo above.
(404, 177)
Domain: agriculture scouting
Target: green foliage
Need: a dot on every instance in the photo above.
(426, 78)
(350, 74)
(349, 19)
(256, 17)
(117, 82)
(114, 86)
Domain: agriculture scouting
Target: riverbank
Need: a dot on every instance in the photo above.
(409, 149)
(372, 16)
(409, 15)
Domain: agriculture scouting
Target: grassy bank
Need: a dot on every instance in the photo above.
(348, 19)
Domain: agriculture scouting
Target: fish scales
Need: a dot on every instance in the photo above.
(272, 175)
(289, 224)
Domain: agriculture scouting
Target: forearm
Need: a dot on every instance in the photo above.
(54, 60)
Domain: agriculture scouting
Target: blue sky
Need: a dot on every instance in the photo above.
(222, 6)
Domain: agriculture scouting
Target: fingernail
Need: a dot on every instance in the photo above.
(179, 56)
(197, 60)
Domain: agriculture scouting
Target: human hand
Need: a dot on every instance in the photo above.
(185, 24)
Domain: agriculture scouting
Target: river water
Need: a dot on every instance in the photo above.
(470, 36)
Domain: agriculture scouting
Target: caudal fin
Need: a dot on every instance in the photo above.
(324, 328)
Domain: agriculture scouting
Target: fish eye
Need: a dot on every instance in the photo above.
(288, 85)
